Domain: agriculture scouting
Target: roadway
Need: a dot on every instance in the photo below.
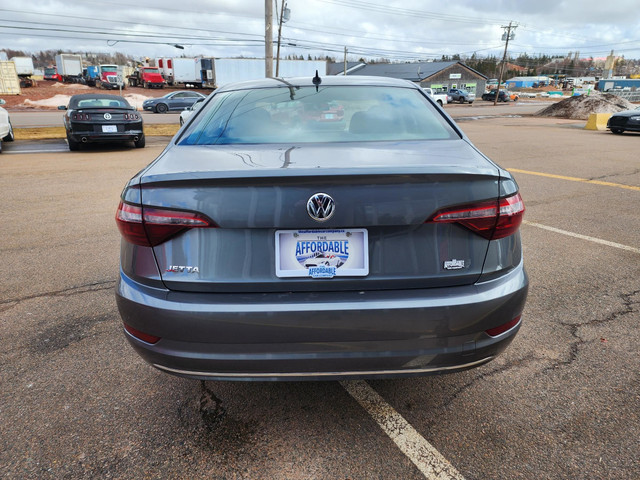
(561, 402)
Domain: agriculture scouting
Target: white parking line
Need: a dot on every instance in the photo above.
(583, 237)
(424, 456)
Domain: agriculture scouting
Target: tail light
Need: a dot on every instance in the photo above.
(145, 337)
(492, 220)
(149, 226)
(499, 330)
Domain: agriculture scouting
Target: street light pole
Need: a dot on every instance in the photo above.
(508, 36)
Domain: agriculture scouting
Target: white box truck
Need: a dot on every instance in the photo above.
(187, 71)
(69, 67)
(24, 69)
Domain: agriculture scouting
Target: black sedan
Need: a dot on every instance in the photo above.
(629, 120)
(98, 118)
(180, 100)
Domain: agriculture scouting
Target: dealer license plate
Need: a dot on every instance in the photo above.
(109, 128)
(322, 253)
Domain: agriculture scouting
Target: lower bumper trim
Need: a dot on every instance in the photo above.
(354, 374)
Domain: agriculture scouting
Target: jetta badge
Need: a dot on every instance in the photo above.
(107, 116)
(320, 207)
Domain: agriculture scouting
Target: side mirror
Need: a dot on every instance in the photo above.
(62, 107)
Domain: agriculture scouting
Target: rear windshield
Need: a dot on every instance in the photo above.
(114, 102)
(304, 115)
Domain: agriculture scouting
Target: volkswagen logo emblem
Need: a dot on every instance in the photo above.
(320, 207)
(107, 116)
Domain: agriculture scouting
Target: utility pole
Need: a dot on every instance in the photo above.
(284, 17)
(507, 35)
(268, 38)
(345, 61)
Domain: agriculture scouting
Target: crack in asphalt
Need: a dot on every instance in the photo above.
(211, 409)
(628, 307)
(485, 375)
(614, 175)
(67, 292)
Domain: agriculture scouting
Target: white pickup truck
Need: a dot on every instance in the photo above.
(440, 98)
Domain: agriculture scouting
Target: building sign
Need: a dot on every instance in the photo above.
(454, 75)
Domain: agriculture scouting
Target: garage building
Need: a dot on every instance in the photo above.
(440, 76)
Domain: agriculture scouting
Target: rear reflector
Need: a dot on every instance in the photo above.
(494, 332)
(492, 220)
(145, 337)
(149, 226)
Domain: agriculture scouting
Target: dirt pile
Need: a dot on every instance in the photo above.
(580, 107)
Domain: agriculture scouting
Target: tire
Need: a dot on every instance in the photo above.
(182, 121)
(161, 108)
(617, 131)
(73, 145)
(10, 137)
(141, 142)
(0, 146)
(461, 100)
(439, 103)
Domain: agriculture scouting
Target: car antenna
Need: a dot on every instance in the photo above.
(317, 80)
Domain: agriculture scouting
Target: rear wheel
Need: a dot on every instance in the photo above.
(140, 143)
(617, 131)
(161, 108)
(73, 145)
(9, 137)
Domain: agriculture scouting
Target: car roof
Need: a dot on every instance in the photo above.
(331, 80)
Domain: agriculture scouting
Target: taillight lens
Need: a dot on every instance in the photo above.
(145, 337)
(499, 330)
(149, 226)
(492, 220)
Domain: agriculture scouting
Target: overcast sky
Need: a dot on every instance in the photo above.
(423, 29)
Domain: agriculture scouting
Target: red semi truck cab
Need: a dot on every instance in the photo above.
(51, 73)
(148, 77)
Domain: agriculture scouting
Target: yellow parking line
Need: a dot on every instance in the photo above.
(575, 179)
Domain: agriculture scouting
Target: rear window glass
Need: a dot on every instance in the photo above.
(304, 115)
(101, 102)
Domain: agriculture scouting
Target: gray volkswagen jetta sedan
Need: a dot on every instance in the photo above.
(320, 228)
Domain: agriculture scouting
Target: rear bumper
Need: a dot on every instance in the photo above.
(100, 137)
(327, 335)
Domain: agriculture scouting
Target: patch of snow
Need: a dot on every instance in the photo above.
(52, 102)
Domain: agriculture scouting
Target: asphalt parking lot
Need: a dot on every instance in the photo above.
(562, 402)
